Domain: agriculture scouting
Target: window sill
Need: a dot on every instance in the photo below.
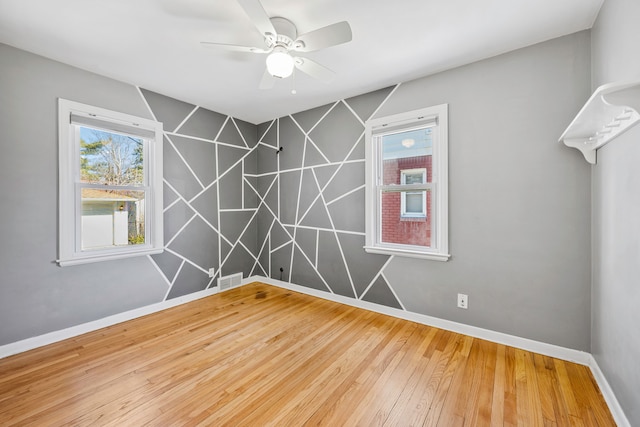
(433, 256)
(413, 219)
(106, 257)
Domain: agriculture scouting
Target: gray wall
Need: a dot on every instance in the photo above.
(519, 200)
(616, 215)
(36, 296)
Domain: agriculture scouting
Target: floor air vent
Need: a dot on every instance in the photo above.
(230, 281)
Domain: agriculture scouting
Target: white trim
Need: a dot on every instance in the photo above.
(608, 394)
(576, 356)
(439, 216)
(107, 257)
(69, 215)
(74, 331)
(382, 250)
(546, 349)
(551, 350)
(403, 194)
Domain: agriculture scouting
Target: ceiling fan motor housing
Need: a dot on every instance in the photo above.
(282, 42)
(286, 33)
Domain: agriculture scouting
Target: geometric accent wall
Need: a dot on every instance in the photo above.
(311, 187)
(254, 199)
(210, 203)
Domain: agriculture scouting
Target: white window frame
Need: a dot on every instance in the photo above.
(403, 195)
(437, 117)
(71, 115)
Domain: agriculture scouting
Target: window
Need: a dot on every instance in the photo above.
(413, 204)
(110, 178)
(406, 184)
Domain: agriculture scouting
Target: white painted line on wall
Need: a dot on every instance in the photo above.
(186, 118)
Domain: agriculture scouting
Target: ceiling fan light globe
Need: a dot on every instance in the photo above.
(280, 64)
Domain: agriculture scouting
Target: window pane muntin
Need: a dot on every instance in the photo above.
(410, 149)
(437, 116)
(69, 182)
(392, 219)
(136, 185)
(413, 203)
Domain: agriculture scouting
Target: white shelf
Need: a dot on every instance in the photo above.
(611, 110)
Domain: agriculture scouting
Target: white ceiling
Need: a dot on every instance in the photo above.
(155, 43)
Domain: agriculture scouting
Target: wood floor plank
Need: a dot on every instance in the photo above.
(510, 393)
(405, 406)
(482, 412)
(261, 355)
(355, 389)
(458, 358)
(457, 386)
(425, 396)
(323, 378)
(533, 392)
(497, 400)
(378, 402)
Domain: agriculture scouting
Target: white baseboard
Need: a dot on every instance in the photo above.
(73, 331)
(576, 356)
(551, 350)
(608, 394)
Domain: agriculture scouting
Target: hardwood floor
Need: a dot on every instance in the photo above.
(260, 355)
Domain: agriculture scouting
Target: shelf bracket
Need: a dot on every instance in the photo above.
(611, 110)
(584, 145)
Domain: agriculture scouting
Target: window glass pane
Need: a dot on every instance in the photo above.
(413, 178)
(110, 158)
(406, 150)
(399, 229)
(112, 218)
(413, 202)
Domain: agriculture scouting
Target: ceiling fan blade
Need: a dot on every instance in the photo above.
(258, 16)
(268, 81)
(330, 35)
(235, 47)
(314, 69)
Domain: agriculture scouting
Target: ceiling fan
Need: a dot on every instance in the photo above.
(281, 39)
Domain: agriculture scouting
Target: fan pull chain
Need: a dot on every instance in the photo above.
(293, 83)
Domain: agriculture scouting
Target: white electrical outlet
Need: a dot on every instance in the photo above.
(212, 272)
(463, 301)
